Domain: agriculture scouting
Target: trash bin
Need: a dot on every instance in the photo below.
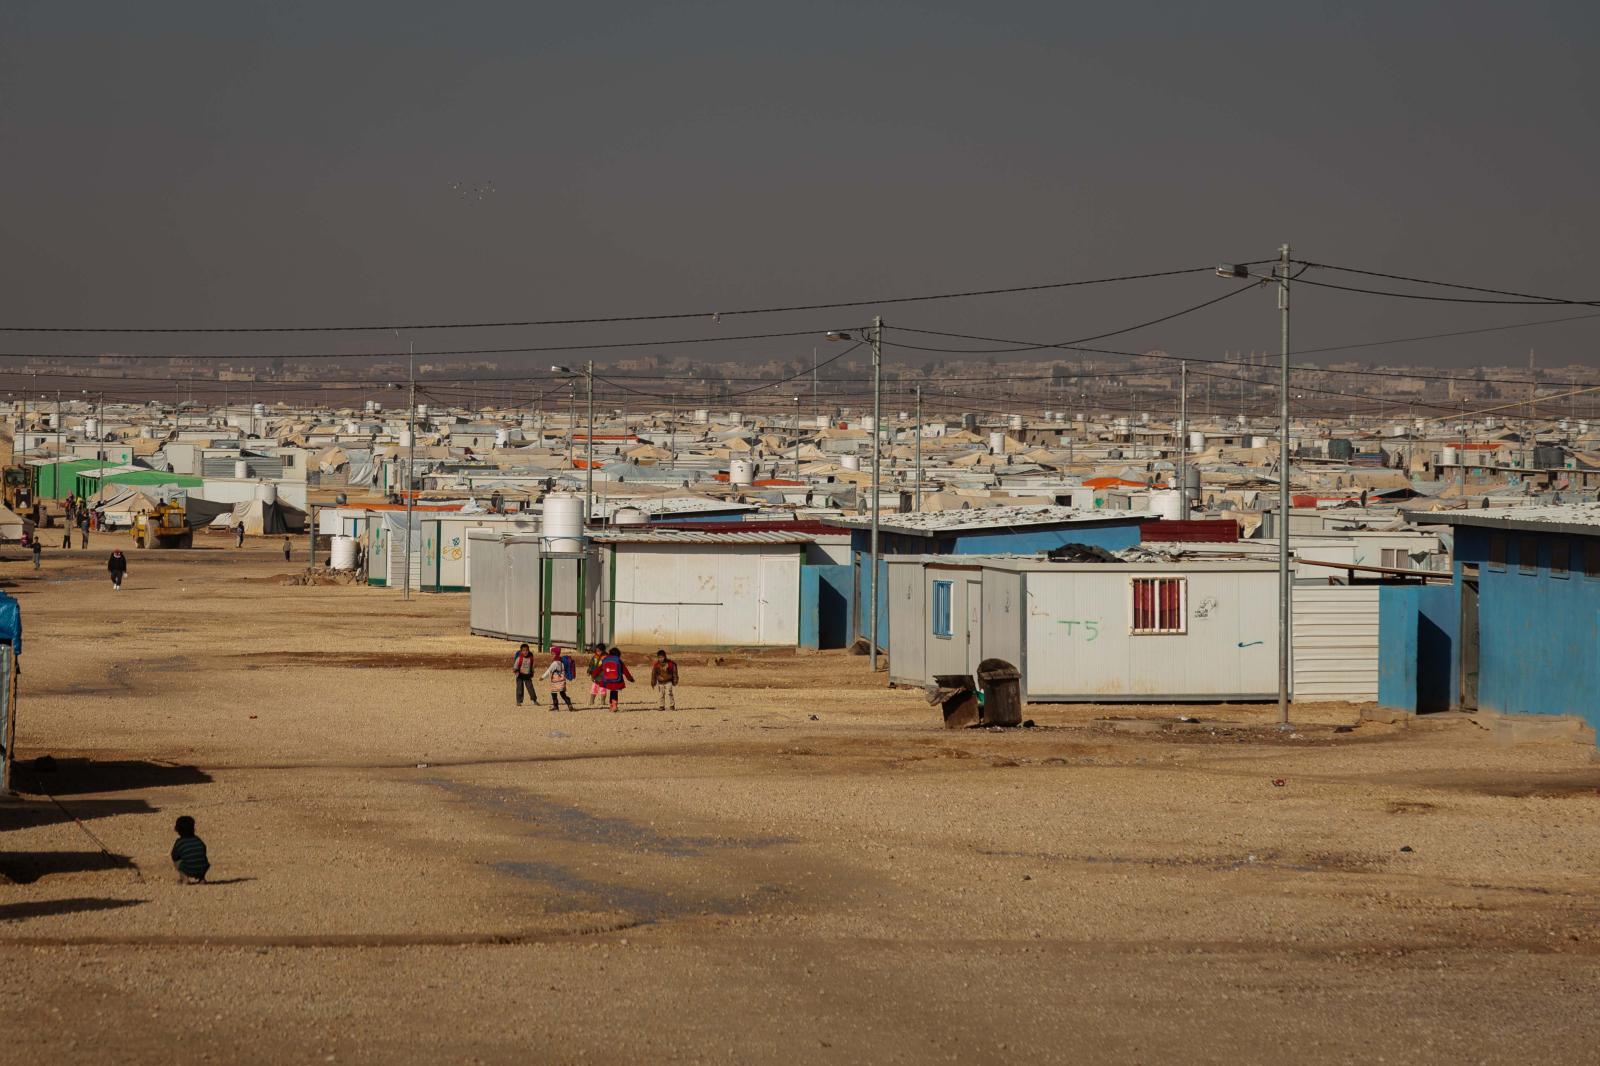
(1002, 692)
(958, 697)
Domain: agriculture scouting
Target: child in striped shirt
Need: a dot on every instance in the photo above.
(189, 853)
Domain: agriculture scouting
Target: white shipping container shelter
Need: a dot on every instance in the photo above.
(510, 599)
(706, 590)
(1089, 632)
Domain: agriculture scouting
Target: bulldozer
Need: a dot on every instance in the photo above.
(167, 526)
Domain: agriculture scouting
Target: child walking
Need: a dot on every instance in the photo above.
(614, 676)
(664, 679)
(522, 667)
(189, 853)
(558, 673)
(596, 654)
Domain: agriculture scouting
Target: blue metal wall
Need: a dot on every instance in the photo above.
(1417, 649)
(1539, 633)
(825, 605)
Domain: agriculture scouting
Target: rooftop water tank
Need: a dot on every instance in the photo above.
(563, 529)
(1016, 423)
(260, 409)
(850, 462)
(869, 423)
(741, 472)
(241, 469)
(702, 416)
(1167, 504)
(1197, 441)
(1448, 456)
(422, 410)
(267, 491)
(997, 443)
(1259, 441)
(628, 516)
(91, 428)
(823, 422)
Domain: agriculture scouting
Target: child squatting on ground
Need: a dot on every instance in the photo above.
(189, 853)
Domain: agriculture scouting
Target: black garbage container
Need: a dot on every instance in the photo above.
(1002, 692)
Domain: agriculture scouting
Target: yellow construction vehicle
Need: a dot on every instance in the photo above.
(165, 527)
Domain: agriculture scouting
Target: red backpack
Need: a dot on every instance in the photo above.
(610, 670)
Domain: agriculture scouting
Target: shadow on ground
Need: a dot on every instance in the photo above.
(71, 777)
(30, 814)
(44, 908)
(26, 867)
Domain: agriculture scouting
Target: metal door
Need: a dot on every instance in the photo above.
(780, 600)
(974, 624)
(1469, 638)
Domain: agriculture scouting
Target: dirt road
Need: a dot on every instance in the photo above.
(797, 865)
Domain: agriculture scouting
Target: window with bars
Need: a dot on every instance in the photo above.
(1159, 605)
(941, 608)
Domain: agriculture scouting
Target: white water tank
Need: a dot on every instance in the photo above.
(850, 462)
(500, 437)
(628, 516)
(741, 472)
(736, 418)
(1197, 441)
(1449, 456)
(1561, 424)
(563, 529)
(997, 443)
(1167, 504)
(267, 491)
(91, 428)
(1144, 416)
(701, 416)
(869, 423)
(422, 410)
(241, 469)
(1259, 441)
(1122, 425)
(350, 428)
(905, 416)
(823, 422)
(1015, 422)
(405, 438)
(344, 553)
(260, 409)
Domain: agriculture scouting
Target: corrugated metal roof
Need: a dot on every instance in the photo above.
(688, 536)
(996, 518)
(1576, 517)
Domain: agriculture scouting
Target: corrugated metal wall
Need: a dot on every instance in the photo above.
(1335, 643)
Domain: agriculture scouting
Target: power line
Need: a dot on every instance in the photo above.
(1440, 284)
(712, 314)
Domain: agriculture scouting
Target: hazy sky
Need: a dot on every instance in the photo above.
(289, 163)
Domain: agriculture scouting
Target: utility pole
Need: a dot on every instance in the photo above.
(411, 462)
(58, 426)
(572, 421)
(919, 447)
(1183, 438)
(1284, 584)
(588, 474)
(813, 384)
(877, 423)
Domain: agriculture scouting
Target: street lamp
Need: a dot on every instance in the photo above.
(588, 473)
(1281, 277)
(877, 421)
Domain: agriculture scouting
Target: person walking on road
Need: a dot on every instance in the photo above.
(118, 565)
(83, 530)
(614, 676)
(522, 667)
(596, 653)
(66, 536)
(558, 673)
(664, 679)
(288, 549)
(38, 551)
(238, 535)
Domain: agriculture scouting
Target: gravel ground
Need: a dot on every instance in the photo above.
(797, 865)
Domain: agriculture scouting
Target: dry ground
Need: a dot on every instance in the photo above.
(798, 865)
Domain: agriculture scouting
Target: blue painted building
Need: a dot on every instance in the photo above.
(1027, 530)
(1518, 629)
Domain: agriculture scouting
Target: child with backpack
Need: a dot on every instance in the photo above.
(614, 676)
(558, 673)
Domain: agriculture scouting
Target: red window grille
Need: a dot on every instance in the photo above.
(1158, 605)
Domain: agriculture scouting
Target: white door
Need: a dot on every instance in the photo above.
(780, 600)
(974, 624)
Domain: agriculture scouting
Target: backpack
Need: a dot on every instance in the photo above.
(610, 671)
(567, 669)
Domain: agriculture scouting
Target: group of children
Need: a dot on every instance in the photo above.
(608, 676)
